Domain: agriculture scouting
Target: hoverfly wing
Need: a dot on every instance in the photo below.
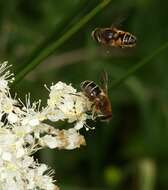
(104, 81)
(118, 22)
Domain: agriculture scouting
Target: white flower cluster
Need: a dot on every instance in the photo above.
(66, 103)
(23, 131)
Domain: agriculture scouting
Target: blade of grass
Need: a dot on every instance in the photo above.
(51, 48)
(66, 23)
(139, 65)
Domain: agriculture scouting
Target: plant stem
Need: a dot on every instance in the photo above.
(51, 48)
(140, 64)
(61, 28)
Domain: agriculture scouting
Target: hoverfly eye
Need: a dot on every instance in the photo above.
(96, 34)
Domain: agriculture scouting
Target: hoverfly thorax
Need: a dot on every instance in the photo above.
(90, 89)
(107, 35)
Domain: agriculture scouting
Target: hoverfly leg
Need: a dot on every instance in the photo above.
(94, 113)
(74, 94)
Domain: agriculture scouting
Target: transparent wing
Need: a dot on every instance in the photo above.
(104, 81)
(119, 20)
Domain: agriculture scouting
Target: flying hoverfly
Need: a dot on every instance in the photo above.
(114, 37)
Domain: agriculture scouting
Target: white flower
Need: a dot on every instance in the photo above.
(7, 104)
(34, 121)
(3, 84)
(49, 141)
(6, 156)
(5, 76)
(65, 103)
(54, 114)
(23, 131)
(79, 125)
(12, 118)
(20, 151)
(26, 161)
(73, 139)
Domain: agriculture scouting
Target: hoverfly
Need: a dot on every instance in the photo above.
(99, 96)
(114, 37)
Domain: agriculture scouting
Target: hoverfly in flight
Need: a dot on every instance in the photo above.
(114, 37)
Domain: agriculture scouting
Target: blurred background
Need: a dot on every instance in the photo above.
(131, 151)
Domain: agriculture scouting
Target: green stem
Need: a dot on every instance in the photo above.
(51, 48)
(140, 64)
(61, 28)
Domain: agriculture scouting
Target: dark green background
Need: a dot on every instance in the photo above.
(131, 151)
